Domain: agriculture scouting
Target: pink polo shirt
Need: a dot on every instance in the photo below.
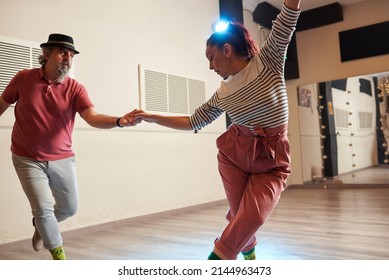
(44, 114)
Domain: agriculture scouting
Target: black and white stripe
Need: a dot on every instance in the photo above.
(262, 100)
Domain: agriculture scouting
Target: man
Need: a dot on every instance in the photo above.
(47, 101)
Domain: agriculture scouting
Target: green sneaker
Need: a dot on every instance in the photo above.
(58, 253)
(213, 256)
(250, 255)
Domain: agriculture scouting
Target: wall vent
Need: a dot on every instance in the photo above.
(16, 55)
(341, 118)
(168, 93)
(365, 120)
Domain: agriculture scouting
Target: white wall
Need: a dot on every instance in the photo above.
(128, 172)
(125, 173)
(310, 138)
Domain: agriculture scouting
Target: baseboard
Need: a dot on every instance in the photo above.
(332, 185)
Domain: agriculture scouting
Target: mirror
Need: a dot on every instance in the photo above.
(344, 130)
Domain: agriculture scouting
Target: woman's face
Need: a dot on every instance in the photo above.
(219, 59)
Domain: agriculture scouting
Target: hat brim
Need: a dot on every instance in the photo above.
(43, 45)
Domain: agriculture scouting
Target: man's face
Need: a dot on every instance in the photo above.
(61, 59)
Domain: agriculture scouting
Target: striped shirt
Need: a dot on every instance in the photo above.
(256, 96)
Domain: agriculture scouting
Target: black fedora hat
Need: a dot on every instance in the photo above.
(60, 40)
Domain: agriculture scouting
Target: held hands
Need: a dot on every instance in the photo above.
(134, 117)
(175, 122)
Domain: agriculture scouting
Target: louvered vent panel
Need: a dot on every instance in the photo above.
(167, 93)
(341, 118)
(178, 99)
(365, 120)
(16, 55)
(196, 94)
(156, 91)
(35, 55)
(13, 58)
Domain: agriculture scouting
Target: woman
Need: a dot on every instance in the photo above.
(253, 158)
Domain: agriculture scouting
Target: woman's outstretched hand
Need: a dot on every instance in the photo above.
(136, 116)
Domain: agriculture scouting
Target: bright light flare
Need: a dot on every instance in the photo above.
(220, 26)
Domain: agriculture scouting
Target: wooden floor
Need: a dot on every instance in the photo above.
(378, 174)
(310, 223)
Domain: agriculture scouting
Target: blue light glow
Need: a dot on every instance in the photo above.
(220, 26)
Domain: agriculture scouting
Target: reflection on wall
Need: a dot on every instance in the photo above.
(311, 155)
(383, 96)
(343, 126)
(354, 102)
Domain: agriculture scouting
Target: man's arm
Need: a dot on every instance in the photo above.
(3, 105)
(100, 120)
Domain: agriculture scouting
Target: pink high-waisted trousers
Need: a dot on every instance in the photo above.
(254, 167)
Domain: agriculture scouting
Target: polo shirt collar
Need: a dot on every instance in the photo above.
(42, 76)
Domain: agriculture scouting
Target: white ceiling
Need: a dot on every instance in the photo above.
(305, 4)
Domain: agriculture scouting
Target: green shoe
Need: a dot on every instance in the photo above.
(250, 255)
(58, 253)
(213, 256)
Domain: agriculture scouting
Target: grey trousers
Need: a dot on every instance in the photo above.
(51, 188)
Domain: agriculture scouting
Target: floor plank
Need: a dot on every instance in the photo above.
(309, 223)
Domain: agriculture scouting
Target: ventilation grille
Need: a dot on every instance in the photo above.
(167, 93)
(15, 57)
(341, 118)
(365, 120)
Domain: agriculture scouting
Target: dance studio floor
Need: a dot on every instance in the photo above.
(315, 222)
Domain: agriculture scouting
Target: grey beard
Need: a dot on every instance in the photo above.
(63, 70)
